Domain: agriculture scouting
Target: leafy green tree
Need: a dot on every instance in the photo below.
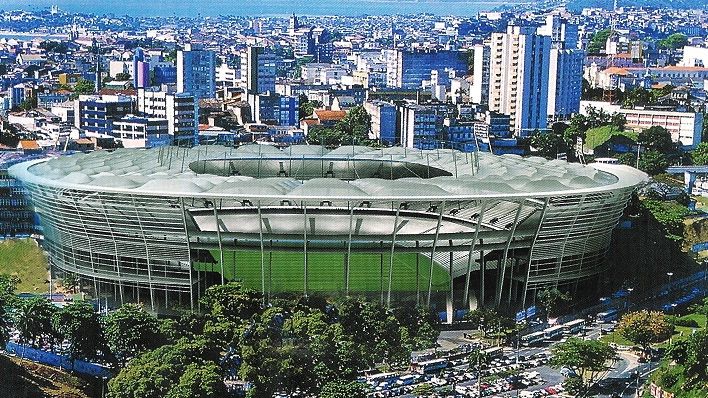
(551, 299)
(673, 42)
(653, 162)
(656, 138)
(692, 355)
(573, 384)
(549, 144)
(70, 281)
(488, 321)
(232, 301)
(307, 107)
(587, 358)
(639, 96)
(628, 159)
(170, 371)
(199, 381)
(33, 319)
(80, 325)
(83, 86)
(645, 328)
(598, 41)
(130, 330)
(122, 76)
(8, 284)
(699, 156)
(343, 389)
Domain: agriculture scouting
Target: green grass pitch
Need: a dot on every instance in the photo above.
(284, 271)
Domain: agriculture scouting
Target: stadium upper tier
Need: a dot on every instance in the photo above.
(302, 172)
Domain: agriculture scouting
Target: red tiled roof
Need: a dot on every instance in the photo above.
(330, 115)
(29, 144)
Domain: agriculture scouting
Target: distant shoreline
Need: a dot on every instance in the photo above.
(8, 34)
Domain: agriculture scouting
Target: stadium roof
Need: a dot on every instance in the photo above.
(303, 172)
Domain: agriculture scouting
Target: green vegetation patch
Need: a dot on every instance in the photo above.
(599, 135)
(24, 259)
(284, 271)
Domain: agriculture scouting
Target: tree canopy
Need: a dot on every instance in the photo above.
(33, 319)
(699, 156)
(352, 129)
(598, 41)
(587, 358)
(673, 41)
(80, 325)
(645, 327)
(130, 330)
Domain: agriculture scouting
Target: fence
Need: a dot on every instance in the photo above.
(60, 361)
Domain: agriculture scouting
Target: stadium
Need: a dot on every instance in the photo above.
(444, 228)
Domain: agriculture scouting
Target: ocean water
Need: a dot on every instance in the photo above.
(261, 7)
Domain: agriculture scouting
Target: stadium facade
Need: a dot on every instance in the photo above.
(437, 227)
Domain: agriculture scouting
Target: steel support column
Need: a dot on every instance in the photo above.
(502, 270)
(432, 253)
(480, 219)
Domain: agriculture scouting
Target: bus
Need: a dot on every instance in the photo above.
(533, 338)
(375, 376)
(574, 326)
(431, 366)
(608, 316)
(493, 352)
(407, 380)
(554, 332)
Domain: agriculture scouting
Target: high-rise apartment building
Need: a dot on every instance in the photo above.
(565, 75)
(180, 109)
(518, 78)
(479, 89)
(408, 69)
(258, 70)
(196, 71)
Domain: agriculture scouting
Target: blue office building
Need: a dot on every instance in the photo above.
(95, 114)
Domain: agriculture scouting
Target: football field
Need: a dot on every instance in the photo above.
(369, 272)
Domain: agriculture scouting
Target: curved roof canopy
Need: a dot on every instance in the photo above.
(309, 172)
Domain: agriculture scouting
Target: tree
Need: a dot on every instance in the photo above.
(573, 384)
(122, 76)
(232, 301)
(587, 358)
(598, 41)
(8, 284)
(175, 371)
(673, 42)
(551, 298)
(33, 319)
(645, 328)
(199, 381)
(656, 138)
(343, 389)
(130, 330)
(307, 107)
(80, 325)
(637, 97)
(699, 156)
(653, 162)
(83, 87)
(549, 144)
(692, 355)
(71, 282)
(488, 321)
